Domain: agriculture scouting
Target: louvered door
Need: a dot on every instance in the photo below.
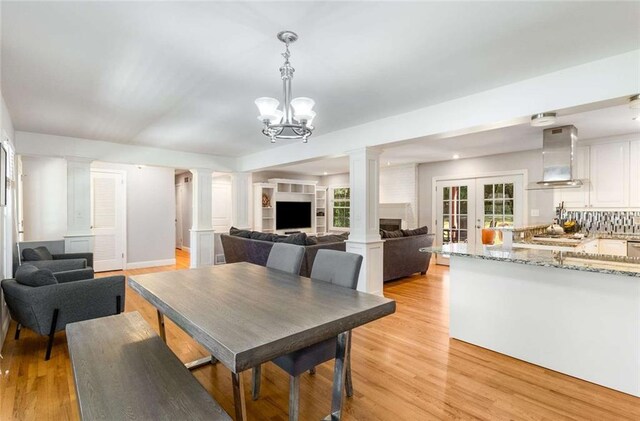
(108, 220)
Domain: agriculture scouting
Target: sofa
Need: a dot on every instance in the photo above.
(242, 249)
(401, 249)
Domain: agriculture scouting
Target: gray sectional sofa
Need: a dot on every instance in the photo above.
(401, 249)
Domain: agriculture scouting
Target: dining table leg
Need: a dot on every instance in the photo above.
(339, 372)
(238, 396)
(163, 334)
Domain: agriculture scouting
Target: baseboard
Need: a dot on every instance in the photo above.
(151, 263)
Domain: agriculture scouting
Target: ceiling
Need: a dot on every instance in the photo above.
(183, 75)
(604, 122)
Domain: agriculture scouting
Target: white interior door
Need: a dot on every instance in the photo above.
(499, 203)
(455, 213)
(108, 220)
(179, 222)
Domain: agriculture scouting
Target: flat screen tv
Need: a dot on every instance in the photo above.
(293, 215)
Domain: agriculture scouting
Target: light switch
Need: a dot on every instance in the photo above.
(535, 212)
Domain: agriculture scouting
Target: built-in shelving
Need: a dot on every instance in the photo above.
(321, 210)
(278, 189)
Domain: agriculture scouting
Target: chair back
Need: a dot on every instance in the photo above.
(337, 267)
(286, 257)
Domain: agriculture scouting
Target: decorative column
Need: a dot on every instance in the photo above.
(241, 200)
(201, 246)
(79, 237)
(364, 166)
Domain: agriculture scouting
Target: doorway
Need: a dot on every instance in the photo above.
(184, 192)
(108, 219)
(465, 206)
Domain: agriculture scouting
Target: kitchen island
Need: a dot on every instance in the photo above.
(575, 313)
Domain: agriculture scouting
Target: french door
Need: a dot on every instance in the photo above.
(108, 220)
(465, 206)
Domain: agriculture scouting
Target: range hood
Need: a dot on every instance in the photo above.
(558, 144)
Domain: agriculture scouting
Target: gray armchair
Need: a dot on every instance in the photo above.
(50, 255)
(45, 303)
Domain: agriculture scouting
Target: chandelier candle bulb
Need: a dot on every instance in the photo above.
(293, 122)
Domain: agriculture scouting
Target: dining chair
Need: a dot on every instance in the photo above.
(338, 268)
(286, 257)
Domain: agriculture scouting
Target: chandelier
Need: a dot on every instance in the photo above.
(295, 118)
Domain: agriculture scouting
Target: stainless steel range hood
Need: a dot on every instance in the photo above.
(558, 144)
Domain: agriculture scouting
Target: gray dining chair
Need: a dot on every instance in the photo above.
(286, 257)
(338, 268)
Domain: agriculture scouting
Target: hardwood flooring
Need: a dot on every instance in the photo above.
(405, 367)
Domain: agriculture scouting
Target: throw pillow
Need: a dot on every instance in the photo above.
(239, 233)
(345, 235)
(312, 240)
(391, 234)
(263, 236)
(36, 254)
(417, 231)
(32, 276)
(299, 239)
(331, 238)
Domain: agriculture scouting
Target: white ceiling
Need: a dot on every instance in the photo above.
(605, 122)
(183, 75)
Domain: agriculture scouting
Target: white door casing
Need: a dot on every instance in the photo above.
(108, 219)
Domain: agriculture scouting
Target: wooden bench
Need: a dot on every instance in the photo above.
(124, 371)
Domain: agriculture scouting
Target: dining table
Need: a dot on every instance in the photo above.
(245, 315)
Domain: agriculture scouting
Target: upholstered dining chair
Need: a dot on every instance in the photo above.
(286, 257)
(339, 268)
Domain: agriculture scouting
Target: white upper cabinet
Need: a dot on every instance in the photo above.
(577, 197)
(609, 175)
(634, 164)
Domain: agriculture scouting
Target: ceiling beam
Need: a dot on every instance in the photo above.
(597, 81)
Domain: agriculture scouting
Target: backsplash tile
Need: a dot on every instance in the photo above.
(613, 222)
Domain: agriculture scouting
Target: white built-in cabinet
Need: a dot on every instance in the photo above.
(321, 210)
(634, 171)
(611, 174)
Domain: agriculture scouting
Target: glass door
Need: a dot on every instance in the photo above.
(500, 203)
(455, 207)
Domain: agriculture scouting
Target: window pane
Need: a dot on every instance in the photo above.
(445, 236)
(498, 207)
(508, 220)
(488, 221)
(454, 236)
(499, 221)
(445, 222)
(445, 207)
(463, 207)
(508, 191)
(463, 236)
(445, 193)
(508, 207)
(499, 191)
(463, 222)
(488, 207)
(463, 193)
(455, 192)
(488, 191)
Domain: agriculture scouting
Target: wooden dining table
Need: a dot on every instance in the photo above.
(245, 315)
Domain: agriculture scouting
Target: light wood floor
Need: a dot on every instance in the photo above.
(405, 367)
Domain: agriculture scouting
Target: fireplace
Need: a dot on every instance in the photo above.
(389, 224)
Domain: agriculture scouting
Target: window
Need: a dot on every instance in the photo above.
(454, 214)
(498, 205)
(341, 203)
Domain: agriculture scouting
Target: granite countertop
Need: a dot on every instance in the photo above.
(570, 241)
(628, 266)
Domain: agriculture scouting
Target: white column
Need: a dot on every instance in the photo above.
(79, 237)
(364, 166)
(201, 246)
(241, 200)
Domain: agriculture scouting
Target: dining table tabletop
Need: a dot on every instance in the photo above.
(245, 315)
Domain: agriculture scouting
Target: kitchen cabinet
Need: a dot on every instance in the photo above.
(577, 197)
(612, 247)
(634, 170)
(609, 175)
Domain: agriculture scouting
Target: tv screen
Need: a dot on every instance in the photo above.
(293, 215)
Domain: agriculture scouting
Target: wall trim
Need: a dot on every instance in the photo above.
(150, 263)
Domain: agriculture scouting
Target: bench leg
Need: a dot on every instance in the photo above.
(17, 336)
(163, 335)
(52, 332)
(312, 371)
(294, 398)
(238, 396)
(256, 375)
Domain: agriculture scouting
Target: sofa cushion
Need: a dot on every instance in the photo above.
(32, 276)
(331, 238)
(417, 231)
(312, 240)
(391, 234)
(239, 233)
(38, 253)
(263, 236)
(299, 239)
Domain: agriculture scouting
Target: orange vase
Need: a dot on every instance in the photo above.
(488, 236)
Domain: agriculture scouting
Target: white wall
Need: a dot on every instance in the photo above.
(7, 222)
(399, 184)
(263, 176)
(151, 212)
(44, 182)
(529, 160)
(220, 211)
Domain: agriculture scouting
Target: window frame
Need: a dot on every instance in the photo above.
(332, 190)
